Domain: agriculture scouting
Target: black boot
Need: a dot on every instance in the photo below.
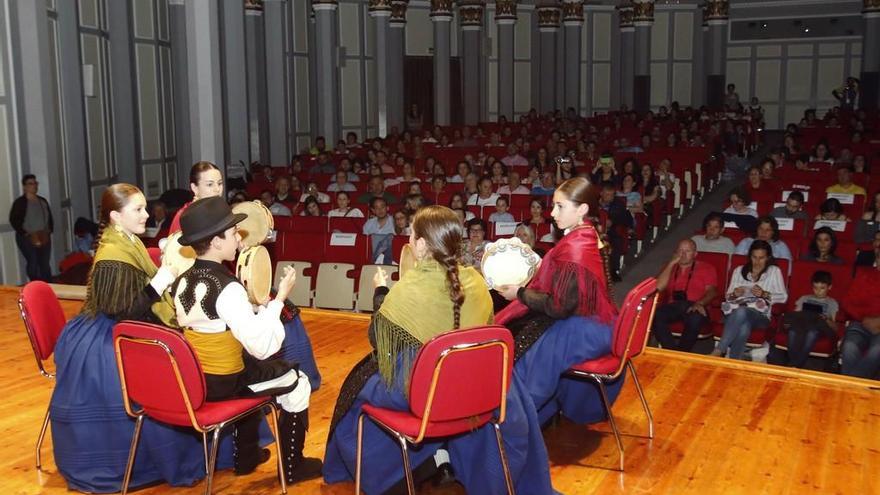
(293, 438)
(247, 454)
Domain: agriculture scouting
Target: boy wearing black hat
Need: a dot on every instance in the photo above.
(233, 342)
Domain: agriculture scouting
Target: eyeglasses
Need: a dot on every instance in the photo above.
(31, 183)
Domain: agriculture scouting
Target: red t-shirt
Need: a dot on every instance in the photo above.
(861, 300)
(695, 279)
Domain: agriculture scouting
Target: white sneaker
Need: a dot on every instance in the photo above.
(759, 354)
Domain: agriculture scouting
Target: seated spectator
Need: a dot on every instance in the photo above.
(238, 197)
(604, 169)
(813, 316)
(464, 168)
(823, 247)
(822, 154)
(861, 342)
(869, 224)
(485, 196)
(755, 182)
(526, 234)
(84, 231)
(767, 231)
(845, 184)
(869, 258)
(665, 178)
(536, 212)
(312, 191)
(401, 223)
(793, 207)
(438, 185)
(802, 162)
(322, 165)
(380, 228)
(457, 202)
(690, 285)
(649, 187)
(514, 185)
(768, 171)
(408, 175)
(414, 203)
(739, 203)
(312, 208)
(712, 241)
(159, 220)
(343, 200)
(499, 174)
(831, 209)
(860, 164)
(513, 158)
(753, 288)
(382, 162)
(341, 183)
(283, 193)
(630, 194)
(501, 214)
(320, 146)
(548, 185)
(376, 189)
(472, 252)
(277, 209)
(471, 184)
(617, 224)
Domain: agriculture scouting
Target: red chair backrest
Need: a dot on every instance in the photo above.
(43, 317)
(470, 372)
(146, 355)
(155, 255)
(802, 272)
(634, 320)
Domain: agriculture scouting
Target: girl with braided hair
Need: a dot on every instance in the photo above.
(436, 296)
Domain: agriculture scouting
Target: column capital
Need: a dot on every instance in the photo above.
(549, 15)
(870, 8)
(572, 12)
(505, 11)
(441, 10)
(252, 7)
(715, 11)
(643, 12)
(176, 2)
(470, 13)
(625, 15)
(319, 5)
(380, 8)
(398, 13)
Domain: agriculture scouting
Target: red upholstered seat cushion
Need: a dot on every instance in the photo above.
(408, 424)
(210, 413)
(604, 365)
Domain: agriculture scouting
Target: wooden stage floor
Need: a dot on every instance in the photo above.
(721, 427)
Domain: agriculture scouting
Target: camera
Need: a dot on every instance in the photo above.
(679, 295)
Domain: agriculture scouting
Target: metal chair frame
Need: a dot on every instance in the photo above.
(215, 429)
(403, 439)
(625, 363)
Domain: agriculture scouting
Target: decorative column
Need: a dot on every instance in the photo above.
(276, 89)
(627, 53)
(180, 88)
(123, 96)
(573, 20)
(441, 16)
(716, 15)
(870, 76)
(643, 19)
(205, 83)
(326, 46)
(396, 55)
(235, 82)
(505, 17)
(380, 12)
(701, 61)
(548, 25)
(257, 101)
(471, 14)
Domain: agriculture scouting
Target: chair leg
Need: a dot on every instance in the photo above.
(281, 476)
(607, 404)
(357, 465)
(407, 469)
(507, 479)
(40, 439)
(632, 370)
(205, 450)
(212, 461)
(129, 466)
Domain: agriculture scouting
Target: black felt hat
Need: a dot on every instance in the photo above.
(206, 218)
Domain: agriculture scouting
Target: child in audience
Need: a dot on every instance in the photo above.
(831, 209)
(380, 228)
(502, 204)
(813, 316)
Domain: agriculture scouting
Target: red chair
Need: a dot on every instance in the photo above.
(160, 372)
(43, 320)
(155, 255)
(443, 405)
(630, 337)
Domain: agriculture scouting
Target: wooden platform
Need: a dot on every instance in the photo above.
(721, 426)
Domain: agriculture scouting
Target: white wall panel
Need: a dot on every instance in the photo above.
(371, 105)
(856, 48)
(88, 13)
(8, 190)
(601, 36)
(684, 36)
(738, 73)
(855, 66)
(799, 78)
(765, 51)
(300, 26)
(830, 72)
(659, 84)
(94, 107)
(832, 48)
(492, 89)
(162, 19)
(11, 266)
(301, 90)
(349, 34)
(768, 78)
(601, 86)
(522, 34)
(739, 52)
(350, 90)
(370, 36)
(794, 112)
(148, 101)
(522, 87)
(800, 50)
(419, 32)
(154, 180)
(660, 37)
(682, 79)
(168, 103)
(143, 18)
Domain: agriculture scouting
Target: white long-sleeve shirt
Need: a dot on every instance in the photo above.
(771, 281)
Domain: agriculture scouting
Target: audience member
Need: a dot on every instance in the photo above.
(401, 223)
(277, 209)
(861, 342)
(343, 208)
(767, 231)
(536, 212)
(813, 316)
(739, 203)
(322, 165)
(616, 222)
(547, 186)
(831, 209)
(341, 183)
(845, 184)
(513, 158)
(712, 240)
(793, 207)
(31, 218)
(472, 249)
(376, 189)
(485, 196)
(311, 208)
(313, 192)
(380, 228)
(501, 214)
(514, 185)
(463, 168)
(823, 247)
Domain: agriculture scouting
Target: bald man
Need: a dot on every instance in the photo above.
(689, 286)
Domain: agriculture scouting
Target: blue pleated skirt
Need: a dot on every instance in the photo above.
(298, 348)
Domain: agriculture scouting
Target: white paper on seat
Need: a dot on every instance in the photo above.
(505, 228)
(343, 239)
(785, 223)
(836, 225)
(844, 198)
(805, 193)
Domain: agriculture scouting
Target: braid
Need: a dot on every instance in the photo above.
(97, 241)
(604, 252)
(455, 293)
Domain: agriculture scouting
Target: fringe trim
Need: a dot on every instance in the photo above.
(395, 351)
(113, 288)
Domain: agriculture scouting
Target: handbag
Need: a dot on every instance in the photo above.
(39, 238)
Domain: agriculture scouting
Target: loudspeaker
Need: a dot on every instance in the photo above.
(869, 89)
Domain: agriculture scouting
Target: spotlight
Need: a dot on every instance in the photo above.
(806, 30)
(764, 25)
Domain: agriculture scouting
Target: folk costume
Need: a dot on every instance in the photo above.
(91, 432)
(415, 310)
(564, 316)
(234, 343)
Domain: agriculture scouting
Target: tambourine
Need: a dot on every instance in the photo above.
(254, 270)
(180, 257)
(254, 229)
(407, 259)
(509, 262)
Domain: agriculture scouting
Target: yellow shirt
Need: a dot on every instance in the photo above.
(852, 189)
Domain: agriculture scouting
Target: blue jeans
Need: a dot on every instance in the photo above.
(738, 326)
(36, 259)
(798, 354)
(860, 351)
(670, 313)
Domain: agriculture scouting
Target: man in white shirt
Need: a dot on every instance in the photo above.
(276, 208)
(485, 196)
(235, 344)
(514, 185)
(513, 158)
(713, 241)
(341, 184)
(380, 228)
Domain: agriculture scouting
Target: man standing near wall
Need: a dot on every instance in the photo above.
(31, 218)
